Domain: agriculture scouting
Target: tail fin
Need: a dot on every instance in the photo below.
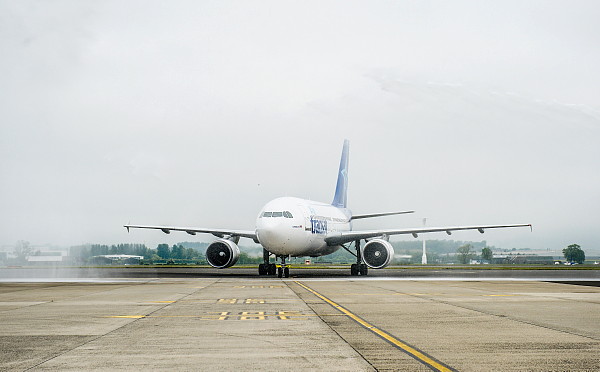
(341, 189)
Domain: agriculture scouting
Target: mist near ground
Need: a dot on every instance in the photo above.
(198, 113)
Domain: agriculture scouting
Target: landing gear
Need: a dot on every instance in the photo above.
(358, 268)
(283, 270)
(363, 269)
(266, 268)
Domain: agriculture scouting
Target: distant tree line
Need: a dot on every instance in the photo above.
(83, 254)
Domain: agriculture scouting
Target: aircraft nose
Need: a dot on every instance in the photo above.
(272, 235)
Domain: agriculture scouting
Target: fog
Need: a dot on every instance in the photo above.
(197, 113)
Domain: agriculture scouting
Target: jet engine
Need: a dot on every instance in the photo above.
(222, 253)
(377, 253)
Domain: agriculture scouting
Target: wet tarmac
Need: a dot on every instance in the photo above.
(319, 319)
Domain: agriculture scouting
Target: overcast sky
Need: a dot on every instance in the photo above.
(197, 113)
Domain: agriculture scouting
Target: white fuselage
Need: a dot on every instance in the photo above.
(297, 227)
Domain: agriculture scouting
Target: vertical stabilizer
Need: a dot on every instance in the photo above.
(341, 189)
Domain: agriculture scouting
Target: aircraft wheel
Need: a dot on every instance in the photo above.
(279, 272)
(363, 269)
(286, 272)
(272, 269)
(262, 270)
(353, 270)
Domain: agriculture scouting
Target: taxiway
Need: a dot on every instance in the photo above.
(303, 323)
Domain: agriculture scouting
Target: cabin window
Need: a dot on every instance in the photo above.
(268, 214)
(287, 214)
(277, 214)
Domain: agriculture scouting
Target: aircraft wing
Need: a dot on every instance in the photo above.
(359, 216)
(337, 238)
(193, 230)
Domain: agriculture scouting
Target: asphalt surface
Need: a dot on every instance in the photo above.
(204, 319)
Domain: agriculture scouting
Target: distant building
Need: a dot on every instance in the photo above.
(522, 259)
(117, 258)
(48, 256)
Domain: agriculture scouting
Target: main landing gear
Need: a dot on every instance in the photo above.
(266, 268)
(359, 268)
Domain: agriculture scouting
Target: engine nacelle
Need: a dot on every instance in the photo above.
(377, 253)
(222, 253)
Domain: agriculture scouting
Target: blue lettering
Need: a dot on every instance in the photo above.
(318, 226)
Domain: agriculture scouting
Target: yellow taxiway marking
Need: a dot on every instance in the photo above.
(415, 353)
(227, 315)
(427, 294)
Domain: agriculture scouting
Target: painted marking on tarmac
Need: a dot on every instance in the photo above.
(246, 301)
(257, 286)
(242, 315)
(410, 350)
(227, 300)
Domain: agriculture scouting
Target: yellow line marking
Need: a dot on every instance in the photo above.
(225, 315)
(420, 356)
(227, 300)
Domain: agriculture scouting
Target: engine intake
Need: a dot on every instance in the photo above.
(377, 253)
(222, 253)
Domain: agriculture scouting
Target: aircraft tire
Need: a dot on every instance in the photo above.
(262, 270)
(279, 272)
(353, 270)
(363, 269)
(272, 269)
(286, 272)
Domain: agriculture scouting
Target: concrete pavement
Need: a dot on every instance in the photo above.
(252, 323)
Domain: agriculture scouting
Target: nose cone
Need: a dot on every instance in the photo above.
(272, 235)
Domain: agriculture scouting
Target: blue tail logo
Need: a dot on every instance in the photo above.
(340, 198)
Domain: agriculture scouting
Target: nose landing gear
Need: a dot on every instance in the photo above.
(283, 270)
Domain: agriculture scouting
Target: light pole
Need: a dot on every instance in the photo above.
(424, 257)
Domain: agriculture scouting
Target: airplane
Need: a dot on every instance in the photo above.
(293, 227)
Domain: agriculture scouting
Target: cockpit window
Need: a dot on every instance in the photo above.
(286, 214)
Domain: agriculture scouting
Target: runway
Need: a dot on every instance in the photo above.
(247, 322)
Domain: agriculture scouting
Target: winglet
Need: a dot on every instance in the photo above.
(340, 198)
